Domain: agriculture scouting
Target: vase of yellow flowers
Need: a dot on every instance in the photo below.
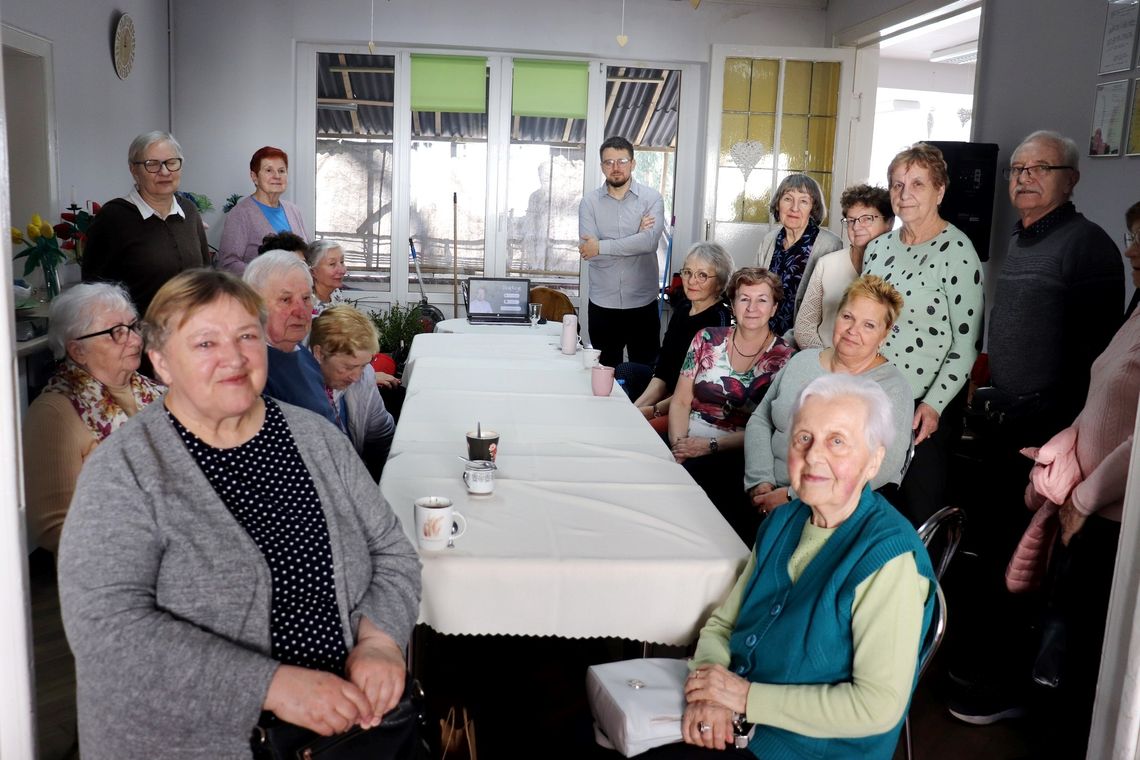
(41, 249)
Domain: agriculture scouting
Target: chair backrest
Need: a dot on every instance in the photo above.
(936, 632)
(555, 303)
(946, 525)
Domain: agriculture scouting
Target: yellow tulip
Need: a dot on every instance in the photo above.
(17, 236)
(36, 220)
(32, 231)
(46, 230)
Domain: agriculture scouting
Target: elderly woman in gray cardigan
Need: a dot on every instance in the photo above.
(226, 554)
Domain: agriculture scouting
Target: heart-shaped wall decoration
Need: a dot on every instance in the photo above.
(746, 154)
(622, 39)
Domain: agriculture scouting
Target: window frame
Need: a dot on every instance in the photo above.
(496, 213)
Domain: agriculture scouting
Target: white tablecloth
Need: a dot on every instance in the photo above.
(592, 530)
(456, 356)
(465, 327)
(551, 377)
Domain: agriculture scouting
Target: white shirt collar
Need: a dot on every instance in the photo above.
(147, 210)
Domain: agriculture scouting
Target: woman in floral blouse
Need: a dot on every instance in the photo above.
(725, 374)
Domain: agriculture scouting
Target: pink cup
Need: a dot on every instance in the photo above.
(602, 380)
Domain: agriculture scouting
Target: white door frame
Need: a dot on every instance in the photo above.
(17, 698)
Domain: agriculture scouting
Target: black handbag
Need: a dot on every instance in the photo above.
(398, 737)
(1052, 649)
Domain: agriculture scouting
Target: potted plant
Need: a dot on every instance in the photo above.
(72, 230)
(396, 328)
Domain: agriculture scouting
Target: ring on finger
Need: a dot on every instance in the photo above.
(703, 727)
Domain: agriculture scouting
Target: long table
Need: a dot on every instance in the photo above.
(593, 530)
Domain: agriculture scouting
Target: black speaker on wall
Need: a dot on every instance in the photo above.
(969, 200)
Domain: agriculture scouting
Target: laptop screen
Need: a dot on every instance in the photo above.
(498, 296)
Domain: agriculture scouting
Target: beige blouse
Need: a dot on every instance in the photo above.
(56, 444)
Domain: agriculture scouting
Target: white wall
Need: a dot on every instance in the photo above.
(97, 114)
(234, 62)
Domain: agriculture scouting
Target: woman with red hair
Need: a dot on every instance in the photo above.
(260, 214)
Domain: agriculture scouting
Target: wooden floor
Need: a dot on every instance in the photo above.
(55, 668)
(546, 667)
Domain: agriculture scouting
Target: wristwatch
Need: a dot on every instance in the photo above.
(714, 447)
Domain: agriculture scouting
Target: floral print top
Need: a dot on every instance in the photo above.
(722, 396)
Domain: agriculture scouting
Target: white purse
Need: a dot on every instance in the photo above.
(637, 704)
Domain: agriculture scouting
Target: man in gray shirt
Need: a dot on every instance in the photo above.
(620, 224)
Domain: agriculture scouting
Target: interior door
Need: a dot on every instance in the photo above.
(773, 112)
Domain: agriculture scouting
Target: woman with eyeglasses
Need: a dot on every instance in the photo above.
(94, 332)
(867, 214)
(151, 234)
(791, 250)
(704, 275)
(939, 334)
(263, 212)
(726, 373)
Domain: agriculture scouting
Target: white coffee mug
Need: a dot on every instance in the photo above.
(591, 357)
(479, 477)
(437, 522)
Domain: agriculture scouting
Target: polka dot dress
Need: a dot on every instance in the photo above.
(937, 336)
(266, 486)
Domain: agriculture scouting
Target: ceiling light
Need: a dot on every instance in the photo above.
(967, 52)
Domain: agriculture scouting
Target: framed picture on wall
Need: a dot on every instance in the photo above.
(1109, 110)
(1119, 36)
(1132, 146)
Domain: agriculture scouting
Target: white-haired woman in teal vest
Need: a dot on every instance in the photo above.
(817, 645)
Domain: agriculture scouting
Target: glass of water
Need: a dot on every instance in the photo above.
(535, 313)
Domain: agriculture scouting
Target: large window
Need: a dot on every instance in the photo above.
(480, 159)
(354, 160)
(448, 166)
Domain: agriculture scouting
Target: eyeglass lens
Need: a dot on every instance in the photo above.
(610, 163)
(689, 274)
(153, 165)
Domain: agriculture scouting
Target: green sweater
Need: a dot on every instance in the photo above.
(939, 332)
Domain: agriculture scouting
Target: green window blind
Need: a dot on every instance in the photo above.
(554, 89)
(449, 83)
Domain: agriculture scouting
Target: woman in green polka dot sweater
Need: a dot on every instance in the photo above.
(937, 338)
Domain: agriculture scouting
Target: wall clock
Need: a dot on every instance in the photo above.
(123, 50)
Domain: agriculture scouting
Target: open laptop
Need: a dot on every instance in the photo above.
(498, 301)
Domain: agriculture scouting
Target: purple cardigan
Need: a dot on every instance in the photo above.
(245, 228)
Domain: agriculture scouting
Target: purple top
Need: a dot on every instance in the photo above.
(245, 228)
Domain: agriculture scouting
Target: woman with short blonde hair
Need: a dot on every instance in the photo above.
(344, 341)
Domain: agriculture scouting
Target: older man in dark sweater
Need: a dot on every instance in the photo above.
(1059, 295)
(1058, 301)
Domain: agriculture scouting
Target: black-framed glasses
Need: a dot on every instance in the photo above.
(119, 333)
(153, 165)
(610, 163)
(701, 277)
(1033, 172)
(1130, 238)
(864, 221)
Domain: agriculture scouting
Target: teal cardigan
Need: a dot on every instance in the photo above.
(801, 633)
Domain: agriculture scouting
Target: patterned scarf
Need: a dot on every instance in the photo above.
(94, 403)
(789, 266)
